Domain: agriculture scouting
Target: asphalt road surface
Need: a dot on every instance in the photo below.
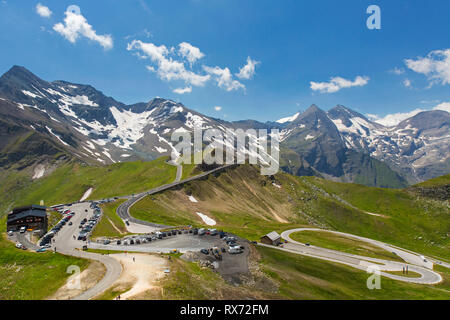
(182, 242)
(65, 243)
(123, 210)
(413, 262)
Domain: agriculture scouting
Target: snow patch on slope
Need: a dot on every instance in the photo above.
(206, 219)
(86, 194)
(289, 119)
(58, 137)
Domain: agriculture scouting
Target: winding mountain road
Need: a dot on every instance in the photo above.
(413, 261)
(66, 244)
(123, 211)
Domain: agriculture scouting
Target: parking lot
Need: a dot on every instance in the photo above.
(223, 252)
(210, 250)
(182, 242)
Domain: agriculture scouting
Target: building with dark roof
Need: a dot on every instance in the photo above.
(31, 217)
(272, 238)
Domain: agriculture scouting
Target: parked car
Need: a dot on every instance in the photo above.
(118, 242)
(19, 245)
(10, 233)
(106, 242)
(235, 250)
(41, 250)
(204, 251)
(213, 232)
(22, 229)
(201, 231)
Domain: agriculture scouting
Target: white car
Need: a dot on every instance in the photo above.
(23, 229)
(234, 250)
(19, 245)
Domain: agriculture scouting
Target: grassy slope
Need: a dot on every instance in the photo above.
(415, 223)
(435, 182)
(282, 275)
(244, 202)
(29, 275)
(69, 182)
(235, 199)
(189, 170)
(303, 277)
(26, 275)
(345, 244)
(110, 225)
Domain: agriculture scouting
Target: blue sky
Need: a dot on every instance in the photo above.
(291, 45)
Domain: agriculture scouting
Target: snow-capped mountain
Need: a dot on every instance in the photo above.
(100, 128)
(418, 147)
(62, 120)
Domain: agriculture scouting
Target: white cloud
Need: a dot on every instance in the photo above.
(191, 53)
(224, 78)
(338, 83)
(436, 66)
(166, 67)
(430, 101)
(183, 90)
(397, 71)
(217, 108)
(395, 118)
(407, 83)
(43, 11)
(76, 25)
(445, 106)
(248, 71)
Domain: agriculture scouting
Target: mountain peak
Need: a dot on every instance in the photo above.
(19, 76)
(313, 109)
(344, 113)
(18, 71)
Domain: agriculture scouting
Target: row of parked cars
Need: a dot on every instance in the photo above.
(149, 237)
(164, 234)
(86, 225)
(67, 215)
